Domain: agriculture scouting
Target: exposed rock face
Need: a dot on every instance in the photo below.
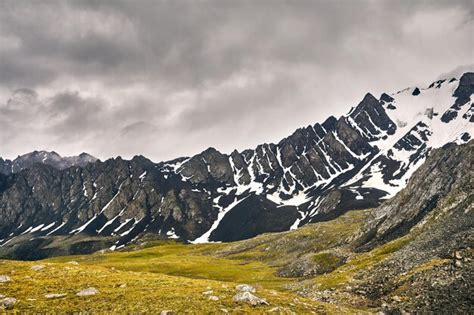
(317, 173)
(448, 170)
(434, 215)
(49, 158)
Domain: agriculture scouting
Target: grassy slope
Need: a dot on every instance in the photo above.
(173, 276)
(145, 291)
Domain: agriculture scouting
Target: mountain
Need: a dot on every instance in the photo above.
(411, 255)
(49, 158)
(316, 174)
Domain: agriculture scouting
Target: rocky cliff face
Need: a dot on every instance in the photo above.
(431, 222)
(44, 157)
(317, 173)
(444, 179)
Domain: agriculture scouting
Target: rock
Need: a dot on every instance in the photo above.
(73, 262)
(165, 312)
(88, 291)
(54, 295)
(245, 288)
(213, 298)
(7, 302)
(457, 255)
(208, 292)
(249, 298)
(38, 267)
(458, 263)
(123, 285)
(396, 298)
(4, 279)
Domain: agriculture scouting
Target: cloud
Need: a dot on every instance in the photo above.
(169, 78)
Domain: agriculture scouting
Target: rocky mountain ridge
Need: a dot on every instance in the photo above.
(49, 158)
(316, 174)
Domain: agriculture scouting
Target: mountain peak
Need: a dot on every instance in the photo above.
(45, 157)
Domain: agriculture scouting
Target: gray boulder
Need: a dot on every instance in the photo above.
(87, 292)
(245, 288)
(4, 279)
(249, 298)
(7, 302)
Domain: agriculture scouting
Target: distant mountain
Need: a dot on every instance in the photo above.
(49, 158)
(318, 173)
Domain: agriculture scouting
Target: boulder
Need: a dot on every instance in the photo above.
(7, 302)
(249, 298)
(245, 288)
(38, 267)
(4, 279)
(88, 291)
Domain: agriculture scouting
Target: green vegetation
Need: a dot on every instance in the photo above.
(364, 261)
(173, 276)
(327, 262)
(167, 277)
(182, 260)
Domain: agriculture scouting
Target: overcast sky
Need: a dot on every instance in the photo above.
(171, 78)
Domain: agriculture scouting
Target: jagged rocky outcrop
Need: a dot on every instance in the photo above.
(432, 221)
(44, 157)
(448, 172)
(317, 173)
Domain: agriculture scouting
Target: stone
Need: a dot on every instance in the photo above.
(72, 262)
(7, 302)
(87, 292)
(123, 285)
(4, 279)
(396, 298)
(213, 298)
(38, 267)
(249, 298)
(208, 292)
(54, 295)
(245, 288)
(165, 312)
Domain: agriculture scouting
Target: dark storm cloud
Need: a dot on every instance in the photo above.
(138, 77)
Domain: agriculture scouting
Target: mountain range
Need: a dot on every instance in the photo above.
(51, 205)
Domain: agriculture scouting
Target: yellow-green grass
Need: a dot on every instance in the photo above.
(144, 291)
(167, 275)
(327, 262)
(183, 260)
(364, 261)
(276, 249)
